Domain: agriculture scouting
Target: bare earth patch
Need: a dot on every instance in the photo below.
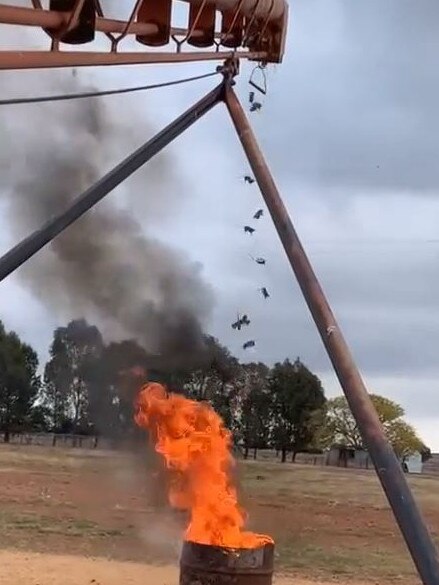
(41, 569)
(100, 508)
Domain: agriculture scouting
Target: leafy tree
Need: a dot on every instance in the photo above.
(344, 429)
(19, 382)
(426, 453)
(214, 379)
(73, 350)
(404, 439)
(341, 425)
(56, 386)
(255, 408)
(113, 382)
(323, 437)
(39, 419)
(297, 399)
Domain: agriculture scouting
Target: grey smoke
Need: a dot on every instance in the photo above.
(108, 267)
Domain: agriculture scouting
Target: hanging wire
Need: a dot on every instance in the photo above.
(74, 96)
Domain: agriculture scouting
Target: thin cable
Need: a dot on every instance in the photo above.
(75, 96)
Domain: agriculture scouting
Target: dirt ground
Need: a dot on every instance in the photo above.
(39, 569)
(107, 512)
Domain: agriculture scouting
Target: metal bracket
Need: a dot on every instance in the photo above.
(261, 88)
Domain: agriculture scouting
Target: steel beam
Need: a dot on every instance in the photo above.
(387, 465)
(41, 237)
(258, 25)
(52, 59)
(50, 19)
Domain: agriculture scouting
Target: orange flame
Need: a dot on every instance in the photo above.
(196, 447)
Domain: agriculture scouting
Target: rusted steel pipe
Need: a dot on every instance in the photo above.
(259, 25)
(50, 59)
(386, 463)
(202, 564)
(9, 14)
(261, 9)
(50, 19)
(16, 256)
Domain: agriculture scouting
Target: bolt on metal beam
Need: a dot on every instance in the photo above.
(387, 465)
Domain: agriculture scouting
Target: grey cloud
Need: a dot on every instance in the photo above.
(362, 110)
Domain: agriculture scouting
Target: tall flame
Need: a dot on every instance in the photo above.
(196, 447)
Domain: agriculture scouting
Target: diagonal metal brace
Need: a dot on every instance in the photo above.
(38, 239)
(387, 465)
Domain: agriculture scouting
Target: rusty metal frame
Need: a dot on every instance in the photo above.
(116, 40)
(388, 468)
(49, 59)
(263, 42)
(190, 32)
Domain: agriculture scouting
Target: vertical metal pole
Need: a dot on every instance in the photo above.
(386, 463)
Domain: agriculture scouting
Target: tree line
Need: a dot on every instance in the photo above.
(89, 387)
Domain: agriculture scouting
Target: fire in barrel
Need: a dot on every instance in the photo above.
(196, 446)
(204, 564)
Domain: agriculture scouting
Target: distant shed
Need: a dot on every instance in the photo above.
(414, 463)
(340, 456)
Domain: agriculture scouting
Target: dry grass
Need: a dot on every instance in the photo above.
(327, 523)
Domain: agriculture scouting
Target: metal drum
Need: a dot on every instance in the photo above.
(201, 564)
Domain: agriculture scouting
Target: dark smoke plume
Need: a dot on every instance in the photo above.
(105, 267)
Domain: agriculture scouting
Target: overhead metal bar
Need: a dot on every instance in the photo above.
(52, 19)
(387, 465)
(52, 228)
(253, 29)
(52, 59)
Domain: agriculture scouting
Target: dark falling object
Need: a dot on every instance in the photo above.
(251, 97)
(249, 230)
(244, 320)
(261, 261)
(203, 564)
(249, 344)
(255, 107)
(248, 179)
(407, 514)
(258, 214)
(265, 293)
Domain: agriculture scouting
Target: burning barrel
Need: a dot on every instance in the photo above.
(197, 449)
(202, 564)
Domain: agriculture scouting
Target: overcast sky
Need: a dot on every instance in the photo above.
(350, 129)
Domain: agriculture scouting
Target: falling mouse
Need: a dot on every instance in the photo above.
(244, 320)
(249, 344)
